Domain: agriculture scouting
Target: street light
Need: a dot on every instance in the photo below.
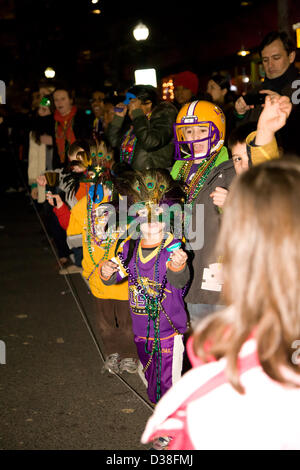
(49, 72)
(140, 32)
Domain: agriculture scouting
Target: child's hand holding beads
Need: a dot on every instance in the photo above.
(178, 258)
(108, 269)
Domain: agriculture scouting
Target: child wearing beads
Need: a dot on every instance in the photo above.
(156, 276)
(75, 182)
(202, 165)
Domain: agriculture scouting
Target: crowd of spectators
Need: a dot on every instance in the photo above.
(214, 146)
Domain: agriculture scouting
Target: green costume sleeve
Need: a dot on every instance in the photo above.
(222, 157)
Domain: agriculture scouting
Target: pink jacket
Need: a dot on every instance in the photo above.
(204, 412)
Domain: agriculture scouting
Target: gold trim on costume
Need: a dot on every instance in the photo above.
(152, 255)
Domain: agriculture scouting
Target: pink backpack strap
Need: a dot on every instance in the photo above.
(244, 364)
(181, 440)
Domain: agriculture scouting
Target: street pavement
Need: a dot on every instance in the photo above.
(53, 393)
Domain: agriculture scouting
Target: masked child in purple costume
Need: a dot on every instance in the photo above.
(156, 278)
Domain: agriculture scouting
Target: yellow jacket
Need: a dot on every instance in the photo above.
(260, 154)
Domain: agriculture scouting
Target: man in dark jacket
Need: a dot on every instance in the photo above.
(142, 130)
(278, 54)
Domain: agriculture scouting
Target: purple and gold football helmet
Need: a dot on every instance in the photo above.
(201, 114)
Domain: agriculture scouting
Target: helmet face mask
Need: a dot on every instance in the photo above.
(201, 114)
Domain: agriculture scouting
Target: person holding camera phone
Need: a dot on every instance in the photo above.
(278, 54)
(218, 88)
(142, 129)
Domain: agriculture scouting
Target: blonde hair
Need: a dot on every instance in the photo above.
(259, 243)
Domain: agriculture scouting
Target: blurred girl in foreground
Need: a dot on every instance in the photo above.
(246, 394)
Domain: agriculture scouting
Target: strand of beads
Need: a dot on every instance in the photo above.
(92, 238)
(89, 234)
(196, 185)
(153, 307)
(192, 190)
(134, 279)
(92, 223)
(108, 244)
(128, 144)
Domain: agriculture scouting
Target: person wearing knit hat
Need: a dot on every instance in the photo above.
(186, 86)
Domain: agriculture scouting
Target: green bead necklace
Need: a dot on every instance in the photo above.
(153, 308)
(92, 238)
(192, 190)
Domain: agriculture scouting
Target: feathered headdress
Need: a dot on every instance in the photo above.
(154, 186)
(94, 160)
(152, 190)
(149, 189)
